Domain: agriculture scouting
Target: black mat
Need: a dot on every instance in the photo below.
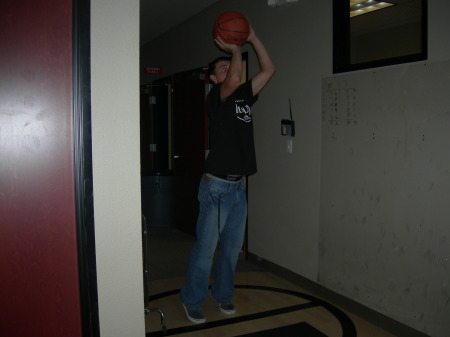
(302, 329)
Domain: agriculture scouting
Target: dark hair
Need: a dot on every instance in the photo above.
(212, 65)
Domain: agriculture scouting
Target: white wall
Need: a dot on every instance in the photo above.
(116, 169)
(284, 194)
(384, 192)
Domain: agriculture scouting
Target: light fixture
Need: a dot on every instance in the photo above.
(278, 3)
(359, 7)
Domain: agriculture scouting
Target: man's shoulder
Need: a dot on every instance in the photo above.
(214, 90)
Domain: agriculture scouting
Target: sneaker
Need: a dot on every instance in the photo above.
(228, 309)
(195, 316)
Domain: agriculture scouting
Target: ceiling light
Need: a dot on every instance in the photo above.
(278, 3)
(359, 7)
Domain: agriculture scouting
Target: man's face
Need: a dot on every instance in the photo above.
(221, 71)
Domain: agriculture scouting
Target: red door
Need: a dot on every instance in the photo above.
(38, 246)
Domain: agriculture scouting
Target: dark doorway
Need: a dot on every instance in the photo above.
(155, 122)
(173, 142)
(188, 145)
(156, 174)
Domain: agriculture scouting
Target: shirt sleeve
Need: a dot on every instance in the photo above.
(247, 92)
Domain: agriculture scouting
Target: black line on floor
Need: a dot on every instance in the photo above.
(348, 328)
(234, 320)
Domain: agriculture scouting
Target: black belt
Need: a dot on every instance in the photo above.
(227, 177)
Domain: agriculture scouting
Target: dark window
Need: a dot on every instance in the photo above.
(391, 35)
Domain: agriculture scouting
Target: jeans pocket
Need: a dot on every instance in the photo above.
(219, 188)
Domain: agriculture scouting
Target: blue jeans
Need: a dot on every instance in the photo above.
(221, 224)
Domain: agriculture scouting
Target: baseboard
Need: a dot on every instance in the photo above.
(370, 315)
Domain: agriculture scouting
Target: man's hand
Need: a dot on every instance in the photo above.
(226, 47)
(252, 34)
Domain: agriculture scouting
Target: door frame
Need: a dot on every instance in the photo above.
(84, 201)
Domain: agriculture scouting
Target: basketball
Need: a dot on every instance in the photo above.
(232, 27)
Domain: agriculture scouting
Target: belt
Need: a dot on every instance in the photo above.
(227, 177)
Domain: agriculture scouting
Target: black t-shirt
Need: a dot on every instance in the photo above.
(232, 149)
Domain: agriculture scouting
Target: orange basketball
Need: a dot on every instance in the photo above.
(232, 27)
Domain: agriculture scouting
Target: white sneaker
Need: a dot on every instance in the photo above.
(195, 316)
(227, 309)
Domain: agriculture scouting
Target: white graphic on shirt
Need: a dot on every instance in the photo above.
(244, 113)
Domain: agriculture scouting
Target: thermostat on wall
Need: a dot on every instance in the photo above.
(288, 125)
